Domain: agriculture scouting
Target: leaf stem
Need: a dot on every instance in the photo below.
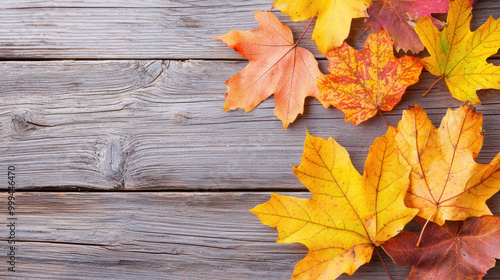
(367, 27)
(380, 257)
(307, 28)
(380, 112)
(425, 225)
(440, 78)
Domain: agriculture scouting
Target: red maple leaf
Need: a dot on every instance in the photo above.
(398, 17)
(456, 250)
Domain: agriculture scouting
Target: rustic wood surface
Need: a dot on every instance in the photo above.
(149, 29)
(126, 165)
(159, 235)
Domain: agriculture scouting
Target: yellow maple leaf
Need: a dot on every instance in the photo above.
(459, 55)
(333, 18)
(348, 214)
(446, 183)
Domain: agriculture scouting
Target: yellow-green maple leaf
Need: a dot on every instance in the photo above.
(348, 214)
(459, 55)
(334, 17)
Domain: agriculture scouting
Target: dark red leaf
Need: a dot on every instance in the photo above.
(456, 250)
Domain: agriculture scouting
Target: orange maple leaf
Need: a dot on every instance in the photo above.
(362, 83)
(348, 214)
(277, 66)
(446, 182)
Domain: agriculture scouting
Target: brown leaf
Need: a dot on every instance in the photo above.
(456, 250)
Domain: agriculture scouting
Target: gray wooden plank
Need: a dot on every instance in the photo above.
(160, 125)
(27, 4)
(174, 30)
(102, 235)
(184, 32)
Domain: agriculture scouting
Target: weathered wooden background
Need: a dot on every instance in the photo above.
(126, 165)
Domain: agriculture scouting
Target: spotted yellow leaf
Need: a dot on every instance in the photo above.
(364, 82)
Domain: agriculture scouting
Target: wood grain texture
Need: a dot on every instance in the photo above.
(27, 4)
(149, 29)
(160, 125)
(130, 99)
(157, 236)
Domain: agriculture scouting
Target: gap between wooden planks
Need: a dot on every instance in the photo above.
(130, 125)
(158, 235)
(156, 124)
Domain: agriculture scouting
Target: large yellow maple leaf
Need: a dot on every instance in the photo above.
(446, 183)
(348, 214)
(277, 66)
(334, 17)
(362, 83)
(459, 55)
